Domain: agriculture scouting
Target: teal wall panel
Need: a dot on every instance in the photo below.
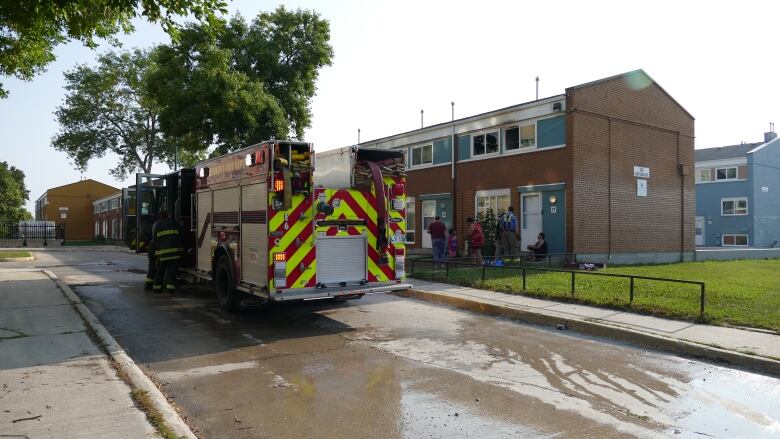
(464, 147)
(551, 132)
(442, 151)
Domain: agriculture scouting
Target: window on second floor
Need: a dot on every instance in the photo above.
(484, 144)
(703, 175)
(729, 173)
(422, 155)
(734, 206)
(520, 137)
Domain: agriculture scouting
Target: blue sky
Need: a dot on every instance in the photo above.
(393, 58)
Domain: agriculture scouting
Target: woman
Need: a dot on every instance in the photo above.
(475, 239)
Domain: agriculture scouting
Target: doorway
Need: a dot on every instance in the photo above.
(699, 230)
(428, 214)
(530, 218)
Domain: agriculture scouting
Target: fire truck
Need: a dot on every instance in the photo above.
(275, 222)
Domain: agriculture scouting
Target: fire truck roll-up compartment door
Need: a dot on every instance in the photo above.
(254, 237)
(203, 231)
(341, 259)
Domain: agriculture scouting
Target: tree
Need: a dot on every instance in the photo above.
(13, 194)
(236, 83)
(31, 29)
(107, 109)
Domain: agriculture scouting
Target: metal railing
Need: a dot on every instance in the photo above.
(524, 258)
(573, 273)
(29, 232)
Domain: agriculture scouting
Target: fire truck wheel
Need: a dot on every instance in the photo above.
(224, 285)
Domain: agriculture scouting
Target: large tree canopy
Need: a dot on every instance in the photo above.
(239, 83)
(30, 29)
(13, 194)
(107, 109)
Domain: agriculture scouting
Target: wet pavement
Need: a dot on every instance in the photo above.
(387, 367)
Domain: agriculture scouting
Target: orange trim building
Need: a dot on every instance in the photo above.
(71, 204)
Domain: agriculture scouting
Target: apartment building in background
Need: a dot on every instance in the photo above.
(71, 204)
(604, 169)
(107, 216)
(738, 194)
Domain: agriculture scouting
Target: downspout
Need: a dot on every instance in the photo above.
(452, 170)
(682, 200)
(609, 188)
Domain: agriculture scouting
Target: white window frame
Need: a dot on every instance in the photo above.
(520, 137)
(700, 171)
(736, 173)
(735, 235)
(410, 225)
(422, 164)
(735, 200)
(497, 131)
(491, 193)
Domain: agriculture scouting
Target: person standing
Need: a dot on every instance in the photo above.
(509, 233)
(166, 242)
(452, 244)
(476, 239)
(438, 232)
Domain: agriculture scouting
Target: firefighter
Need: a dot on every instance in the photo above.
(166, 244)
(152, 267)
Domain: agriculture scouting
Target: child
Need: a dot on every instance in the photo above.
(452, 244)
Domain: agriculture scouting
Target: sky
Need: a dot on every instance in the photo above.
(719, 60)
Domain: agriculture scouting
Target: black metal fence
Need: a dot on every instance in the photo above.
(445, 267)
(27, 233)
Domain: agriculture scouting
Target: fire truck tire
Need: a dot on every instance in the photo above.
(224, 285)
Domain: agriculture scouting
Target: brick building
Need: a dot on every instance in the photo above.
(71, 205)
(604, 169)
(107, 216)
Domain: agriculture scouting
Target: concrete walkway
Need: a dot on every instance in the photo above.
(751, 349)
(55, 382)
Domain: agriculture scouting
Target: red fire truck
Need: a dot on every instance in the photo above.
(275, 222)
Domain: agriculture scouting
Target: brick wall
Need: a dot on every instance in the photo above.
(613, 126)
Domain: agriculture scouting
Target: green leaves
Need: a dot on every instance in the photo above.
(108, 109)
(30, 29)
(234, 84)
(13, 194)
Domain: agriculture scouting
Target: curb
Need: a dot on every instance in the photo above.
(24, 259)
(643, 339)
(136, 376)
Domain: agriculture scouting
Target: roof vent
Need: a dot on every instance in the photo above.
(557, 106)
(771, 134)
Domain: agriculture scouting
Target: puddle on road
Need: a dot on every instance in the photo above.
(429, 416)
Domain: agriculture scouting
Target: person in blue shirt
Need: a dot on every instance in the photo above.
(510, 233)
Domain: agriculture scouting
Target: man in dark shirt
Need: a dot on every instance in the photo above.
(438, 232)
(539, 248)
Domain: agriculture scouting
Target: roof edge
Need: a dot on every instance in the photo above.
(633, 72)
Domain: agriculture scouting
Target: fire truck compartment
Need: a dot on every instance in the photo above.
(341, 259)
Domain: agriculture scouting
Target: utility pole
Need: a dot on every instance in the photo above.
(358, 136)
(421, 118)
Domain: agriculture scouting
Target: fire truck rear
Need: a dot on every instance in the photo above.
(266, 226)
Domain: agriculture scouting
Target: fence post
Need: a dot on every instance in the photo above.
(701, 311)
(411, 266)
(572, 284)
(483, 272)
(447, 270)
(523, 278)
(631, 291)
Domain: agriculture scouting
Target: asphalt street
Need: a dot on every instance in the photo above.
(389, 367)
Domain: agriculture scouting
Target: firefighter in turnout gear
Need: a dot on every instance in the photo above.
(166, 245)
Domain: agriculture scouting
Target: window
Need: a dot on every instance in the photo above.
(520, 137)
(96, 208)
(734, 206)
(496, 199)
(485, 143)
(422, 155)
(410, 218)
(729, 173)
(734, 240)
(703, 175)
(97, 229)
(113, 229)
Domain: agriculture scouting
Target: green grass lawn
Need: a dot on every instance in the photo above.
(742, 293)
(4, 254)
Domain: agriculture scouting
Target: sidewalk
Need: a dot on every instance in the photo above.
(55, 382)
(749, 349)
